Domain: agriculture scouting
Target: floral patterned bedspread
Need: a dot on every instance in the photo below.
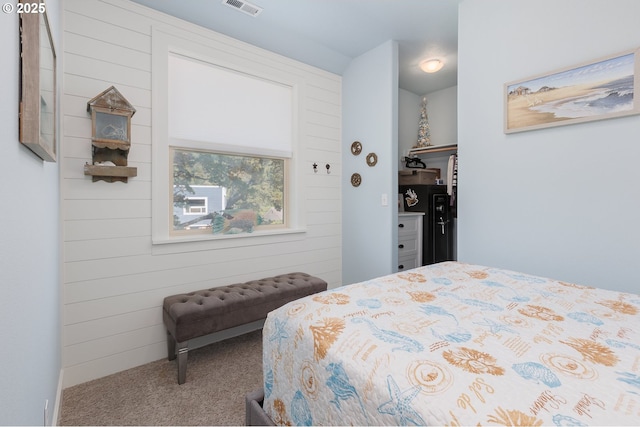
(455, 344)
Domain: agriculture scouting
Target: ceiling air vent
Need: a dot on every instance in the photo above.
(244, 7)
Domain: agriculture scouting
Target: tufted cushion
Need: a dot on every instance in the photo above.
(203, 312)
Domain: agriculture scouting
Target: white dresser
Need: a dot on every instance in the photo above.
(409, 240)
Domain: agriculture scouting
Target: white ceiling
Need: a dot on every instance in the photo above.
(328, 34)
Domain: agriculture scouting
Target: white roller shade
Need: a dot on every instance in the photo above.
(228, 110)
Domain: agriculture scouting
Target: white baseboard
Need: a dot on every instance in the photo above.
(56, 408)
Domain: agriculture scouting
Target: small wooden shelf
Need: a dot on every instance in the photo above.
(112, 145)
(434, 149)
(110, 173)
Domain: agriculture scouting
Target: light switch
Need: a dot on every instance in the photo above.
(384, 200)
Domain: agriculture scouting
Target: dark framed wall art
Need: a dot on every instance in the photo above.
(37, 81)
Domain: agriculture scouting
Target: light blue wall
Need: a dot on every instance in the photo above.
(29, 255)
(560, 202)
(442, 109)
(408, 119)
(370, 115)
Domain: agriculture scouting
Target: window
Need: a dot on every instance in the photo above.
(227, 194)
(193, 205)
(224, 131)
(234, 132)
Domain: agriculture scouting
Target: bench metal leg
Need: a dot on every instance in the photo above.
(171, 346)
(183, 351)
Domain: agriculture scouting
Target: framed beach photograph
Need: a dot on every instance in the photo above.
(597, 90)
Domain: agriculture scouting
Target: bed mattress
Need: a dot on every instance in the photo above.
(455, 344)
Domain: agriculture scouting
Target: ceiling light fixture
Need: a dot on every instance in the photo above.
(431, 65)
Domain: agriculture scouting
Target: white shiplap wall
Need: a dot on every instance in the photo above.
(114, 278)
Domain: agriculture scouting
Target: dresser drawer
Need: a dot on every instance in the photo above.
(407, 263)
(408, 226)
(409, 240)
(407, 246)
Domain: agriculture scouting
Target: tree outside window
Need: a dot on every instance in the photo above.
(253, 191)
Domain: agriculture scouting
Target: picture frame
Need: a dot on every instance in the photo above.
(594, 90)
(38, 98)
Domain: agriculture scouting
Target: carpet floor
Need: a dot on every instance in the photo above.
(218, 377)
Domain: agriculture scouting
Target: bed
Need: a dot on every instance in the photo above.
(454, 344)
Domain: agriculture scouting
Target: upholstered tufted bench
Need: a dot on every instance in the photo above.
(195, 314)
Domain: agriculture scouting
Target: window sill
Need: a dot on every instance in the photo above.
(204, 242)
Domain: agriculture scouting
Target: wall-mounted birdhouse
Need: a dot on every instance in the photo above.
(110, 136)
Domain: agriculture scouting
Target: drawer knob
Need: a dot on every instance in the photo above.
(401, 225)
(401, 267)
(401, 246)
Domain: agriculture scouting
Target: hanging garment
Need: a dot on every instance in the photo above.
(452, 178)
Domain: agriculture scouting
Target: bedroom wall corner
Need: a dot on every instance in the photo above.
(558, 202)
(370, 115)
